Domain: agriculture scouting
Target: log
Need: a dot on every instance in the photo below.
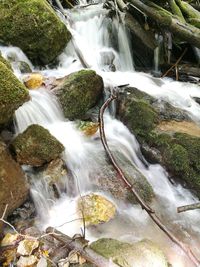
(188, 207)
(80, 246)
(184, 31)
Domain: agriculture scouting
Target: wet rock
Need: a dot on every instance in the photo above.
(168, 138)
(33, 80)
(29, 261)
(26, 247)
(13, 189)
(34, 27)
(96, 209)
(142, 254)
(12, 94)
(36, 146)
(79, 92)
(24, 67)
(106, 178)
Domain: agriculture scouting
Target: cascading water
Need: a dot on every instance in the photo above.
(101, 42)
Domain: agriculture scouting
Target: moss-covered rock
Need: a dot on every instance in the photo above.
(79, 92)
(12, 93)
(165, 133)
(141, 254)
(13, 189)
(33, 26)
(36, 146)
(6, 62)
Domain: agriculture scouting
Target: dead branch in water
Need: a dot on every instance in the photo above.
(80, 246)
(144, 206)
(188, 207)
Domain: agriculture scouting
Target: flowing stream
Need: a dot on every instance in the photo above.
(104, 44)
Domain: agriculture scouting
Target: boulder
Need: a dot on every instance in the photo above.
(12, 93)
(79, 92)
(36, 146)
(33, 26)
(166, 134)
(13, 189)
(96, 209)
(141, 254)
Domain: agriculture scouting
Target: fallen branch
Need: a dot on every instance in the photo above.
(188, 207)
(80, 246)
(175, 65)
(144, 206)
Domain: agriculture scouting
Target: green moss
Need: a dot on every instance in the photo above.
(36, 146)
(79, 92)
(5, 62)
(12, 93)
(33, 26)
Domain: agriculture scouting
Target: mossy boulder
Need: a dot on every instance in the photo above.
(166, 134)
(79, 92)
(33, 26)
(12, 93)
(141, 254)
(6, 62)
(13, 189)
(36, 146)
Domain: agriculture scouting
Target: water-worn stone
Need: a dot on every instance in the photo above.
(29, 261)
(33, 26)
(141, 254)
(96, 209)
(26, 247)
(89, 128)
(79, 92)
(36, 146)
(166, 131)
(12, 93)
(13, 189)
(33, 80)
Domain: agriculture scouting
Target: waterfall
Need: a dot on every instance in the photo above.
(104, 44)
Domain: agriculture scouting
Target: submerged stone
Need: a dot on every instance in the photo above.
(36, 146)
(33, 26)
(79, 92)
(12, 93)
(141, 254)
(96, 209)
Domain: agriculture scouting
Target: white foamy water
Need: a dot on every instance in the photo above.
(104, 46)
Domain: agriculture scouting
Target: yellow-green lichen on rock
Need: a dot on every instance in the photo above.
(33, 26)
(12, 93)
(6, 62)
(96, 209)
(141, 254)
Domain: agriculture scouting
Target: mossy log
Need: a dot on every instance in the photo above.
(182, 30)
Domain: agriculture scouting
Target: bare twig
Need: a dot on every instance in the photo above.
(81, 247)
(144, 206)
(188, 207)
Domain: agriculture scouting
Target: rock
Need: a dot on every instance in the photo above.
(96, 209)
(5, 62)
(142, 254)
(166, 134)
(9, 239)
(36, 146)
(29, 261)
(79, 92)
(24, 67)
(33, 80)
(42, 262)
(33, 26)
(13, 189)
(89, 128)
(12, 94)
(55, 174)
(26, 247)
